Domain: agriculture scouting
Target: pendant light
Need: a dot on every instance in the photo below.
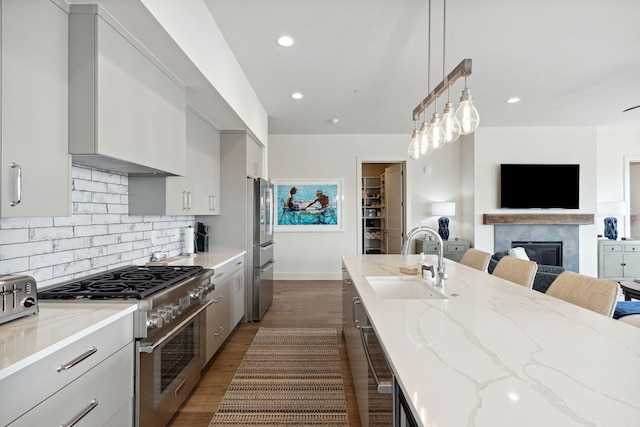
(466, 113)
(414, 146)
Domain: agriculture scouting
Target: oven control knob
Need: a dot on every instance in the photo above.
(154, 322)
(165, 314)
(197, 293)
(172, 309)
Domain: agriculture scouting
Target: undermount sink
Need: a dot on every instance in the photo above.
(403, 287)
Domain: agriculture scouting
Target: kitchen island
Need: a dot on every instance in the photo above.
(492, 353)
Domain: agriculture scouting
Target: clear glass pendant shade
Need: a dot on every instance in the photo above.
(414, 146)
(450, 124)
(436, 134)
(466, 114)
(424, 137)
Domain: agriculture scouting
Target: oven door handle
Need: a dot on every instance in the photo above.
(151, 347)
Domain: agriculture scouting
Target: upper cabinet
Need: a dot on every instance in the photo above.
(34, 160)
(196, 193)
(127, 110)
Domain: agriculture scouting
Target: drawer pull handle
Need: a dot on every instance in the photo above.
(219, 275)
(77, 360)
(221, 330)
(217, 300)
(82, 414)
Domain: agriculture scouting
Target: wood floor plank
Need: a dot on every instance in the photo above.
(296, 304)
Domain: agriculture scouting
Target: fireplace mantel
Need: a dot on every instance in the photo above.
(542, 219)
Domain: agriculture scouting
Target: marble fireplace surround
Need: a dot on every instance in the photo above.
(541, 227)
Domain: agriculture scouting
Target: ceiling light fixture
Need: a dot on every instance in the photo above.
(466, 115)
(513, 100)
(297, 95)
(285, 41)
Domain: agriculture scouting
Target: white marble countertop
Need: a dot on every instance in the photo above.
(498, 354)
(28, 339)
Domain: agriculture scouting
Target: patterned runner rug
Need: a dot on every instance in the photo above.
(288, 377)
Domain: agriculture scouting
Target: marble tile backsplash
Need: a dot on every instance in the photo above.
(99, 235)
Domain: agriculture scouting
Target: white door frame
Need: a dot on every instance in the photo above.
(628, 159)
(358, 189)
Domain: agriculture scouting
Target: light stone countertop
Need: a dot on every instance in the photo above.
(499, 354)
(28, 339)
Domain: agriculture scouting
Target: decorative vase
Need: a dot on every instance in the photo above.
(611, 228)
(443, 227)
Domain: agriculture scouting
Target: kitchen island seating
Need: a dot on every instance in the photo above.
(516, 270)
(593, 294)
(476, 259)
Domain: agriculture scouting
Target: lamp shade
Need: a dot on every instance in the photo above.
(612, 208)
(443, 209)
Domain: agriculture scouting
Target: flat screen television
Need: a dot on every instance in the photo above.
(543, 186)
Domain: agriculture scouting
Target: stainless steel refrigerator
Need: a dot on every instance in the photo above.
(260, 258)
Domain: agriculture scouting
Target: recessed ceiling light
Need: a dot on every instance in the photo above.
(285, 41)
(334, 121)
(512, 100)
(297, 95)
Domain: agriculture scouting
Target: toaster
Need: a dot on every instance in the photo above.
(19, 297)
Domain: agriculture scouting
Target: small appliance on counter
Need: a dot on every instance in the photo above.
(202, 237)
(19, 297)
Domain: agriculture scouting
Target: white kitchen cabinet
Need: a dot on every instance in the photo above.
(34, 161)
(127, 110)
(195, 193)
(78, 377)
(618, 259)
(254, 159)
(228, 305)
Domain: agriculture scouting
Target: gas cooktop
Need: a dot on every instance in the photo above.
(135, 282)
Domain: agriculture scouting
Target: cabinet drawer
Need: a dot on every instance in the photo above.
(456, 248)
(99, 388)
(218, 327)
(632, 248)
(223, 271)
(612, 248)
(55, 371)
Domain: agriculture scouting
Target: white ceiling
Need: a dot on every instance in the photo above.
(573, 62)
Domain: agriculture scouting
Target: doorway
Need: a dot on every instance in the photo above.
(383, 207)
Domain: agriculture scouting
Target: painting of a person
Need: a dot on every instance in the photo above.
(321, 198)
(290, 204)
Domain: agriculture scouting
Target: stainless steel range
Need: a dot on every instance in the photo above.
(169, 328)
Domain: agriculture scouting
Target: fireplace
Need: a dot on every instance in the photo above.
(505, 236)
(546, 253)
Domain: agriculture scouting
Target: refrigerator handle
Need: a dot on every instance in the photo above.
(270, 207)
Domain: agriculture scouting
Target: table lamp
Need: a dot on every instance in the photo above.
(443, 210)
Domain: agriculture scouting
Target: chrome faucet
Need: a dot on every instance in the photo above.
(442, 276)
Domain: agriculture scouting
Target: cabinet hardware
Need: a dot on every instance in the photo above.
(175, 394)
(18, 184)
(382, 387)
(82, 414)
(221, 330)
(77, 360)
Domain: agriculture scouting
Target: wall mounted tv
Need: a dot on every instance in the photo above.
(544, 186)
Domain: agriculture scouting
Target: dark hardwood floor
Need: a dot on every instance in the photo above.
(296, 304)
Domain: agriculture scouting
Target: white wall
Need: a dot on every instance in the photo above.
(614, 145)
(316, 255)
(494, 146)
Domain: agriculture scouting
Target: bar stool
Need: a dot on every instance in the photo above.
(516, 270)
(476, 259)
(588, 292)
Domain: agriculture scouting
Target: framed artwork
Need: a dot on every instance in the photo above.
(304, 204)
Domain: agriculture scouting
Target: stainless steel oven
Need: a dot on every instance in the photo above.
(169, 328)
(170, 368)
